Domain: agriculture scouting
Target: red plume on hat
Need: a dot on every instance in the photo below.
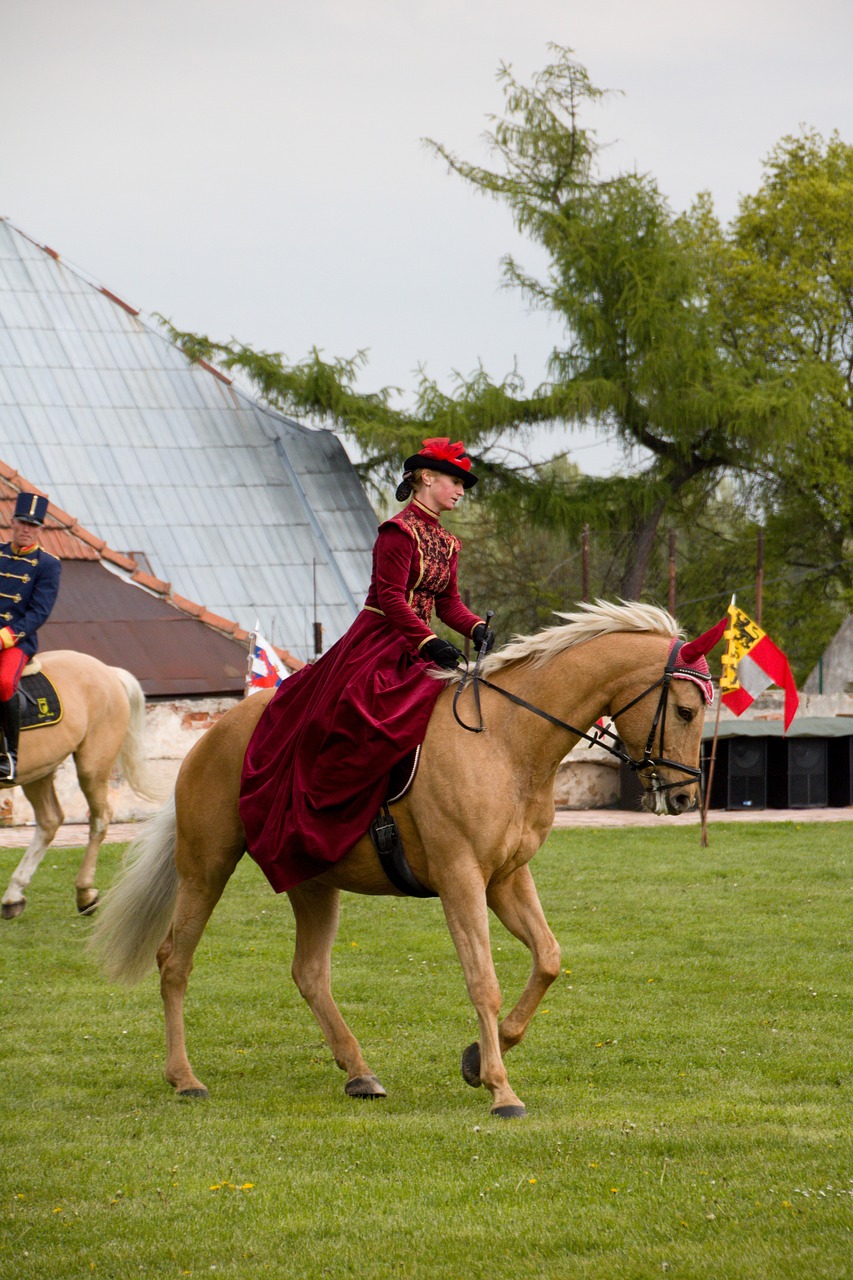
(442, 450)
(438, 454)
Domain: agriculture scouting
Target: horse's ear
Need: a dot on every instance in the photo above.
(702, 644)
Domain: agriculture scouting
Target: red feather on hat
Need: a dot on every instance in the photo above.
(440, 447)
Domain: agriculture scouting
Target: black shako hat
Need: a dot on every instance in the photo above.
(439, 454)
(31, 508)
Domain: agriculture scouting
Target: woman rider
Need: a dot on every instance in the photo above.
(316, 770)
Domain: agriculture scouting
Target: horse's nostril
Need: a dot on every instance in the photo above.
(682, 801)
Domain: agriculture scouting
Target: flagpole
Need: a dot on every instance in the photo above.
(706, 799)
(253, 636)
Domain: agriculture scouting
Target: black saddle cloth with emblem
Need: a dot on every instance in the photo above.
(41, 705)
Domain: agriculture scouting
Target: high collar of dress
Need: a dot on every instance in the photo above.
(424, 512)
(24, 551)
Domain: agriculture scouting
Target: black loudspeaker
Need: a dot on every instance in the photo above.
(807, 773)
(747, 774)
(719, 783)
(630, 788)
(840, 772)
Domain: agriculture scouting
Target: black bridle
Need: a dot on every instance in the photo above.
(648, 761)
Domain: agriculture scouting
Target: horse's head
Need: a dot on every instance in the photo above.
(661, 725)
(662, 734)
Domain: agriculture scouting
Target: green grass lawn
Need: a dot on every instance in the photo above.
(688, 1080)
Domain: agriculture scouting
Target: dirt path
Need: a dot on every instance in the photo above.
(74, 835)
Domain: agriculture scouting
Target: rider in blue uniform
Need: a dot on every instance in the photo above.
(29, 582)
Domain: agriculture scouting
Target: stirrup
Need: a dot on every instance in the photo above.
(8, 766)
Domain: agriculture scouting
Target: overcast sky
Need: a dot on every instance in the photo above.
(256, 170)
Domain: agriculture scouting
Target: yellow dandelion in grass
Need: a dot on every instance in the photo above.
(247, 1186)
(217, 1186)
(58, 1209)
(593, 1164)
(786, 1204)
(614, 1191)
(531, 1181)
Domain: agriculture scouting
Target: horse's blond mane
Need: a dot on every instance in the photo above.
(587, 622)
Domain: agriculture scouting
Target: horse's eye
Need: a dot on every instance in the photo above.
(686, 713)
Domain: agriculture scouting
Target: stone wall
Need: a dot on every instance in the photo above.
(172, 728)
(588, 778)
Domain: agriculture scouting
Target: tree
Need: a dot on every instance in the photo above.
(638, 291)
(788, 301)
(669, 342)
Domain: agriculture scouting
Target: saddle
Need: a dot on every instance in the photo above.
(39, 699)
(386, 836)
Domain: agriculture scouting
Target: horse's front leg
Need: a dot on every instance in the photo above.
(316, 910)
(48, 815)
(516, 904)
(467, 917)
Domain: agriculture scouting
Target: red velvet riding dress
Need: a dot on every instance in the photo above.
(317, 766)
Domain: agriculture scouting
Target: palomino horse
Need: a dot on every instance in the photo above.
(480, 807)
(102, 723)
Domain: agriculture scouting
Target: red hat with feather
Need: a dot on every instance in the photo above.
(439, 454)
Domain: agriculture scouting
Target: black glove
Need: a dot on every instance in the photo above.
(477, 636)
(441, 652)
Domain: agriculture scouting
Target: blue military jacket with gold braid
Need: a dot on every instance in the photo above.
(29, 583)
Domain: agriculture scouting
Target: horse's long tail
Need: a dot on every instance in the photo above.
(137, 908)
(131, 759)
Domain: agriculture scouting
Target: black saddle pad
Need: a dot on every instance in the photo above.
(40, 703)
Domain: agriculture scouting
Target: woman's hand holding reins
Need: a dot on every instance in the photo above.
(477, 635)
(442, 653)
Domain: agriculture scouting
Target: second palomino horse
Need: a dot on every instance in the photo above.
(103, 718)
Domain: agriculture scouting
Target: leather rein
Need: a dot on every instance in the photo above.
(599, 738)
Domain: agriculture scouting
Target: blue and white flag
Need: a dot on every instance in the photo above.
(267, 670)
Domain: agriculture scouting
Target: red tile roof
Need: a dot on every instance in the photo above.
(63, 536)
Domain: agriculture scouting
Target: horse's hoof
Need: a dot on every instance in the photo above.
(512, 1111)
(364, 1087)
(90, 908)
(199, 1092)
(471, 1065)
(11, 910)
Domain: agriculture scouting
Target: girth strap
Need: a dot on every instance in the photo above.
(392, 857)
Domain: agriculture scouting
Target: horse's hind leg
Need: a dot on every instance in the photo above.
(202, 881)
(316, 907)
(48, 815)
(94, 784)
